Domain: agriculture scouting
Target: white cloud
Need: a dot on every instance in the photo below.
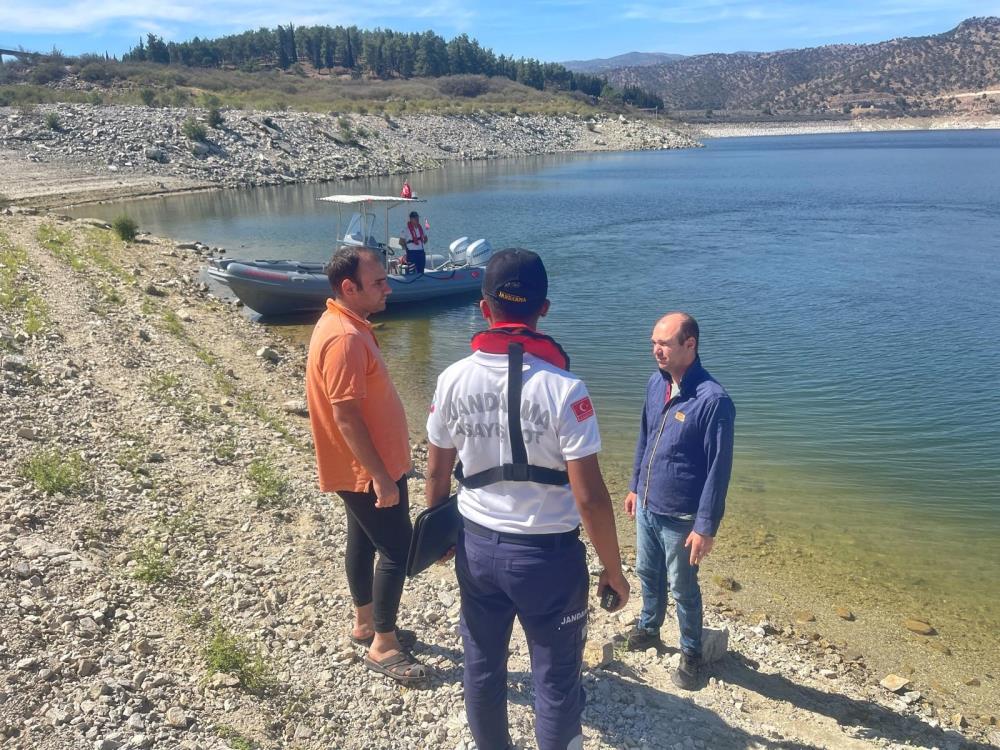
(704, 12)
(57, 17)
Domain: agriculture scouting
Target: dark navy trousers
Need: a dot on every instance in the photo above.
(545, 587)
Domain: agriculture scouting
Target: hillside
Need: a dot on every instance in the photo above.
(956, 71)
(600, 65)
(313, 67)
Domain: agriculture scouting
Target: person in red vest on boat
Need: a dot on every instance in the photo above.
(406, 192)
(414, 241)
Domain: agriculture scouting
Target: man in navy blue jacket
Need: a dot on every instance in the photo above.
(677, 494)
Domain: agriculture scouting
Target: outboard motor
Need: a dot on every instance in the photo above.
(478, 252)
(456, 250)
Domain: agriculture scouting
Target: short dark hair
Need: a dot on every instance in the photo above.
(689, 328)
(414, 215)
(514, 312)
(344, 265)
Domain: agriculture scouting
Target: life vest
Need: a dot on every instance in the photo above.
(515, 340)
(418, 235)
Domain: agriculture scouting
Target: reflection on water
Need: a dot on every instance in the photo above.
(846, 286)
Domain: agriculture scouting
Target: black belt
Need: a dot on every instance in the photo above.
(551, 541)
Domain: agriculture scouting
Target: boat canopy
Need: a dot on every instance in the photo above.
(390, 201)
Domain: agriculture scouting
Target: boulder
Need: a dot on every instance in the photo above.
(156, 154)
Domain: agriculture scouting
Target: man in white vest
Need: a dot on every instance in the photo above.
(524, 432)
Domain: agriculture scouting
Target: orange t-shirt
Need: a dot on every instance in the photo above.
(345, 364)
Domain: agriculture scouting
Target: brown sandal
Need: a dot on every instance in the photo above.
(400, 666)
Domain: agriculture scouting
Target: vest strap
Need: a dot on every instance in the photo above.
(519, 470)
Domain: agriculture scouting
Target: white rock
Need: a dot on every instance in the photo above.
(176, 717)
(894, 683)
(714, 644)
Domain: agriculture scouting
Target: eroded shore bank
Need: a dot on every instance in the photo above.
(863, 125)
(58, 155)
(189, 528)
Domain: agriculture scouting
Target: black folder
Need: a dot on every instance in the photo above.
(435, 531)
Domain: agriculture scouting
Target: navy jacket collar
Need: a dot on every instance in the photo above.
(695, 374)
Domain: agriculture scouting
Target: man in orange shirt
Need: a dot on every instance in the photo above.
(363, 454)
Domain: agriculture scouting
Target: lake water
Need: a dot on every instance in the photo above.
(847, 288)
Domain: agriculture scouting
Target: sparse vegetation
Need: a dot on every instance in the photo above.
(236, 740)
(52, 471)
(16, 294)
(162, 382)
(194, 130)
(882, 79)
(52, 121)
(166, 387)
(270, 485)
(227, 653)
(125, 227)
(265, 88)
(215, 118)
(152, 565)
(250, 405)
(133, 455)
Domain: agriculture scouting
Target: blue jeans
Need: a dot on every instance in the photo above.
(664, 561)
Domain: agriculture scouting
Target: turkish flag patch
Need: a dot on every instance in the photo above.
(583, 409)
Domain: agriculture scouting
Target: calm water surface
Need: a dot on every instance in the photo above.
(847, 288)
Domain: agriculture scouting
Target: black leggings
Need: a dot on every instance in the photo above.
(388, 530)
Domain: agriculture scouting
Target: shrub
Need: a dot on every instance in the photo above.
(52, 472)
(148, 96)
(52, 121)
(215, 118)
(125, 227)
(47, 73)
(152, 564)
(194, 130)
(96, 72)
(463, 85)
(229, 654)
(270, 486)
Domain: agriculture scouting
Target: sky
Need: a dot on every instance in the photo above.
(550, 30)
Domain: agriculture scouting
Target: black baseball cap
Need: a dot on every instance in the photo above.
(515, 276)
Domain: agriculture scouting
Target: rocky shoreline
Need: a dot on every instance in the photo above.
(755, 129)
(172, 578)
(157, 150)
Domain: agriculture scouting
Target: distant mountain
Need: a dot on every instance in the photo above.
(945, 72)
(628, 60)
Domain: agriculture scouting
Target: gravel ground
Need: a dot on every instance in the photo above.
(172, 578)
